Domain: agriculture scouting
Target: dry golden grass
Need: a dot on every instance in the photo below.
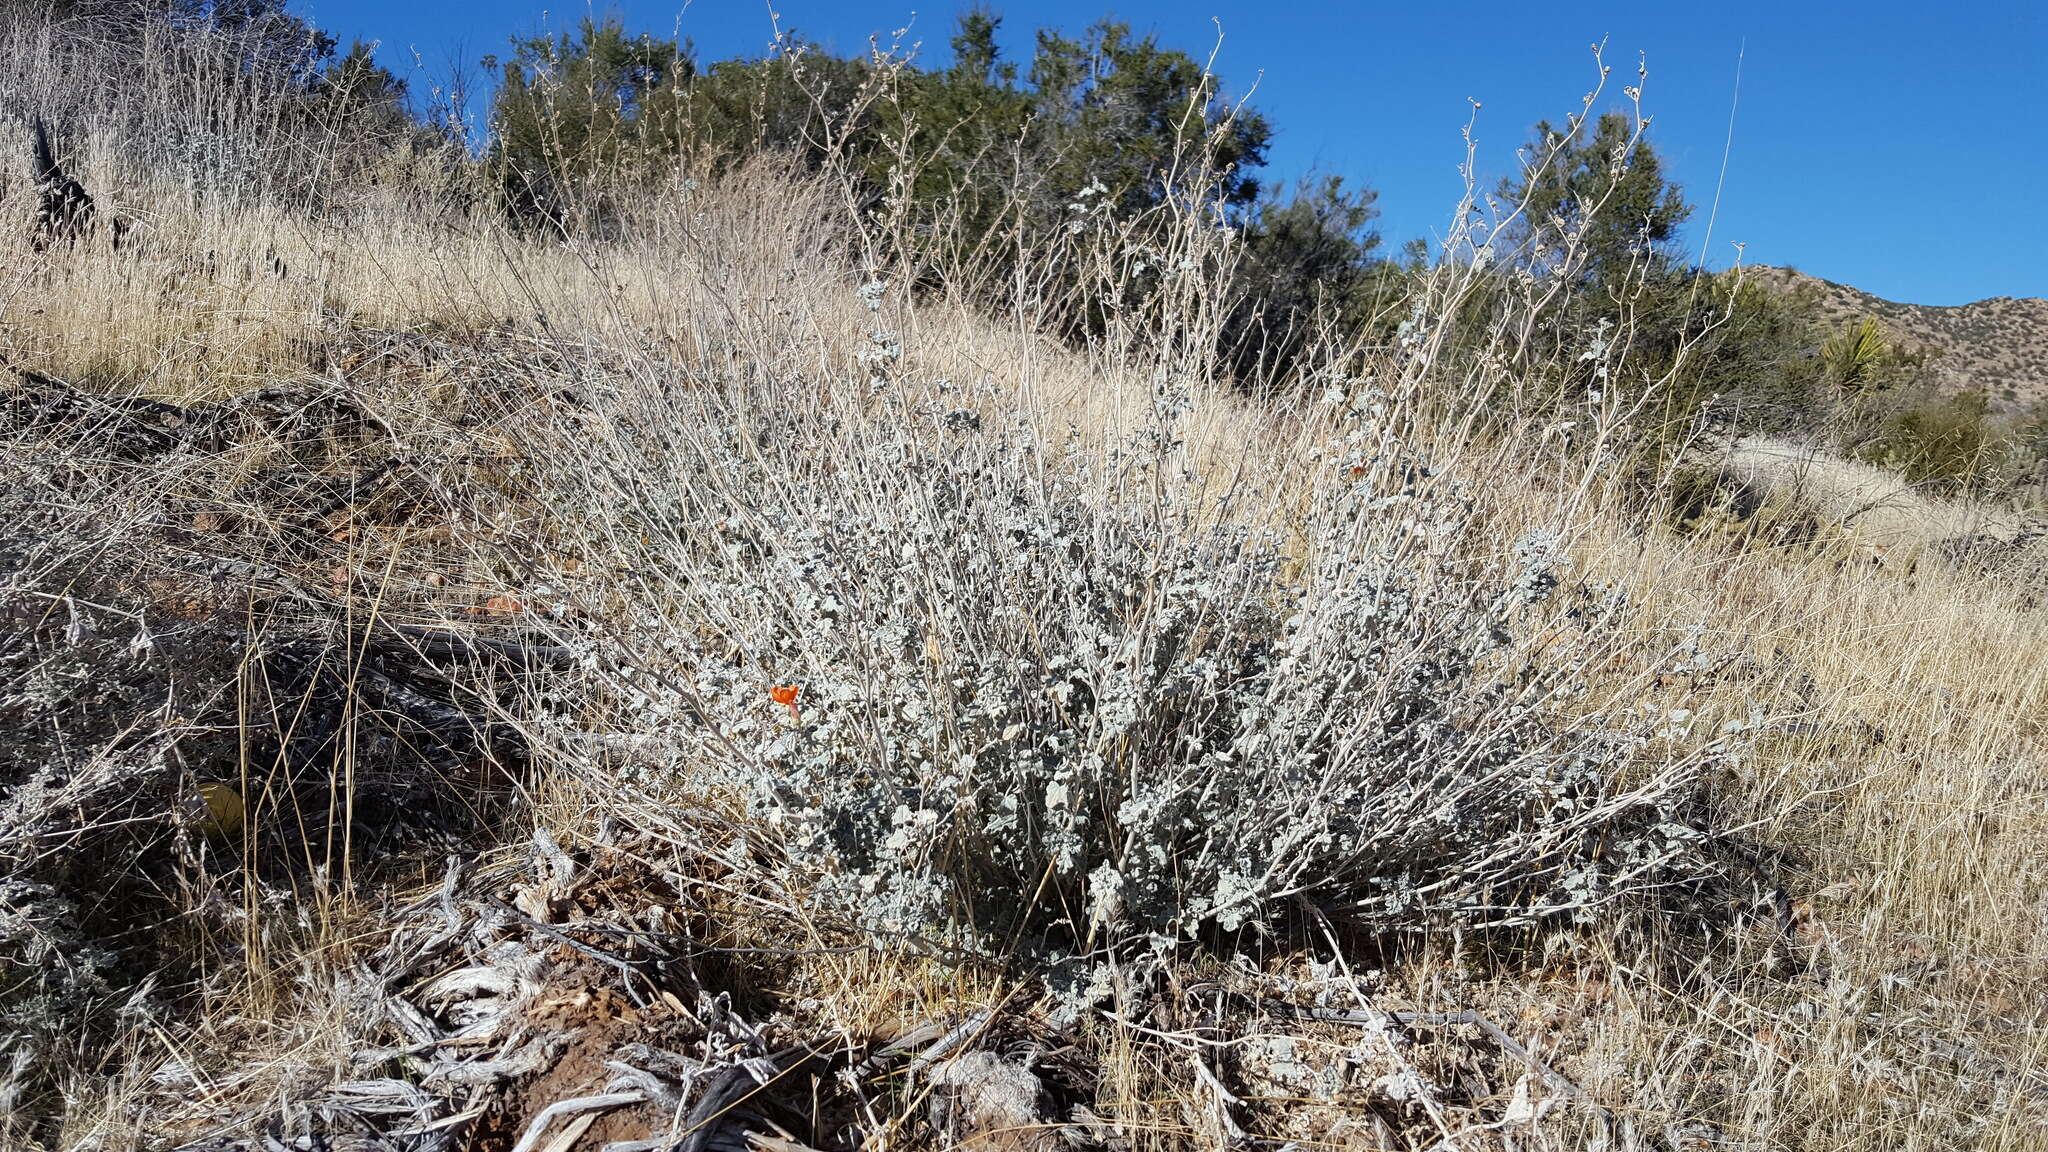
(1904, 790)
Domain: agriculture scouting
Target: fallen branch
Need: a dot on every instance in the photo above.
(603, 1102)
(442, 643)
(734, 1086)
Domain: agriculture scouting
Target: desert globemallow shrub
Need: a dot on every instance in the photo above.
(985, 688)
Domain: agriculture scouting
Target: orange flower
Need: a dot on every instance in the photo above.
(785, 694)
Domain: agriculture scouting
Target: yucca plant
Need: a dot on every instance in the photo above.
(1853, 356)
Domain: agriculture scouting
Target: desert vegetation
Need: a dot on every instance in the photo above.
(818, 603)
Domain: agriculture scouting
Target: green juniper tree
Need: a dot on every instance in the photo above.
(1606, 187)
(1600, 210)
(571, 108)
(357, 91)
(1309, 261)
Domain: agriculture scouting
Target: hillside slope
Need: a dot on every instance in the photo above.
(1999, 345)
(690, 679)
(570, 609)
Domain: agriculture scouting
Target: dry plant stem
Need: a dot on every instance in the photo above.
(601, 1102)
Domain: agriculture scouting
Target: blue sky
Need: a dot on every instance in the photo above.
(1901, 147)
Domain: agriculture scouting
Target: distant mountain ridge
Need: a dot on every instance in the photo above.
(1999, 345)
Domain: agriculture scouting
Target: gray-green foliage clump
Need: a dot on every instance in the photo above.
(1061, 696)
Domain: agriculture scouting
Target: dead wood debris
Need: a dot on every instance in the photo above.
(555, 1002)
